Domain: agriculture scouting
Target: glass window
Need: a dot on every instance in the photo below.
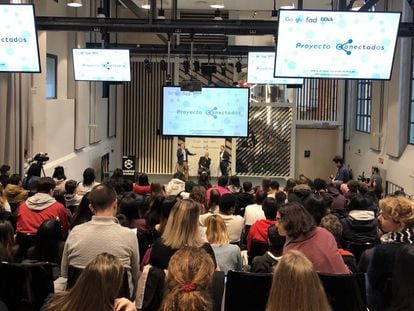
(51, 76)
(364, 105)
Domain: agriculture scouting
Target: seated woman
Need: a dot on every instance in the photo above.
(182, 229)
(318, 245)
(143, 186)
(88, 181)
(8, 247)
(228, 255)
(296, 286)
(190, 275)
(396, 226)
(97, 288)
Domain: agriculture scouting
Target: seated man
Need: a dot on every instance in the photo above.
(204, 164)
(40, 207)
(234, 223)
(103, 234)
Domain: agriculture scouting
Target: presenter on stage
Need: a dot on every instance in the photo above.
(182, 160)
(204, 164)
(224, 160)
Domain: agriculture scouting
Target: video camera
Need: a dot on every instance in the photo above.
(41, 158)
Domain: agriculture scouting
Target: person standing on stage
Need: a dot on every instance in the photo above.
(182, 160)
(224, 160)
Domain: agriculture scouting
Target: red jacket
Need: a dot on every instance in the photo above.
(38, 208)
(258, 231)
(142, 190)
(320, 247)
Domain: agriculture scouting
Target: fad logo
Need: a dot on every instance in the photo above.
(311, 20)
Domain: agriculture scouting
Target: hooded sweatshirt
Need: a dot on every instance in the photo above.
(38, 208)
(258, 231)
(175, 186)
(359, 227)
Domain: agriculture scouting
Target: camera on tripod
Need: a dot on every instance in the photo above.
(41, 158)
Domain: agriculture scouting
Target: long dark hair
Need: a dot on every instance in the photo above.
(296, 220)
(88, 176)
(82, 213)
(48, 238)
(6, 241)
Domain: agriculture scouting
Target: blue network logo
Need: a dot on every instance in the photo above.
(341, 47)
(299, 19)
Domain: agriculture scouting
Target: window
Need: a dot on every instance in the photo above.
(51, 76)
(364, 106)
(411, 114)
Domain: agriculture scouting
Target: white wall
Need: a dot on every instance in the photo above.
(54, 122)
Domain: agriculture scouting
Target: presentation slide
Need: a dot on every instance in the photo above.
(213, 112)
(336, 44)
(260, 68)
(18, 39)
(101, 65)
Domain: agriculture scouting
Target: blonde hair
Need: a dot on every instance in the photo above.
(96, 288)
(190, 274)
(296, 286)
(399, 209)
(182, 225)
(216, 230)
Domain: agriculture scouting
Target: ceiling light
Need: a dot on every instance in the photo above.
(357, 5)
(218, 4)
(287, 5)
(146, 6)
(74, 3)
(217, 15)
(161, 14)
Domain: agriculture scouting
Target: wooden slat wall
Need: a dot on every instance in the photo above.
(142, 121)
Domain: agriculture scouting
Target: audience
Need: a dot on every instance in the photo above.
(318, 245)
(221, 187)
(296, 286)
(4, 175)
(189, 277)
(4, 204)
(228, 256)
(72, 198)
(234, 184)
(97, 288)
(213, 206)
(15, 194)
(244, 198)
(8, 246)
(83, 212)
(88, 181)
(33, 175)
(254, 212)
(143, 186)
(60, 178)
(234, 223)
(176, 185)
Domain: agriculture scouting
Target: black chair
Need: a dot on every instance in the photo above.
(257, 248)
(247, 291)
(358, 248)
(345, 292)
(217, 289)
(25, 241)
(74, 273)
(25, 286)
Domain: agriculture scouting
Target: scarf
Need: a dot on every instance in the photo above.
(405, 237)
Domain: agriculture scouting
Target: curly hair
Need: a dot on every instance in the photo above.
(400, 209)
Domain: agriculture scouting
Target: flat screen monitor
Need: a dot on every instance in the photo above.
(111, 65)
(260, 69)
(336, 44)
(19, 50)
(213, 112)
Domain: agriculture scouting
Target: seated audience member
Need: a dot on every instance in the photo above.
(264, 185)
(244, 198)
(165, 211)
(234, 184)
(116, 180)
(234, 223)
(316, 206)
(221, 187)
(198, 194)
(360, 226)
(189, 277)
(33, 175)
(48, 244)
(296, 286)
(83, 212)
(290, 184)
(4, 175)
(338, 204)
(8, 247)
(182, 229)
(396, 224)
(402, 280)
(204, 180)
(40, 207)
(143, 186)
(176, 185)
(60, 178)
(127, 186)
(212, 208)
(273, 188)
(102, 234)
(300, 193)
(97, 288)
(267, 262)
(333, 225)
(258, 231)
(15, 193)
(228, 256)
(88, 181)
(72, 198)
(254, 212)
(319, 245)
(4, 204)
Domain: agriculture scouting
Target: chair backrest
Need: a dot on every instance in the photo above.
(25, 285)
(358, 248)
(75, 272)
(257, 248)
(25, 241)
(217, 289)
(345, 292)
(247, 291)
